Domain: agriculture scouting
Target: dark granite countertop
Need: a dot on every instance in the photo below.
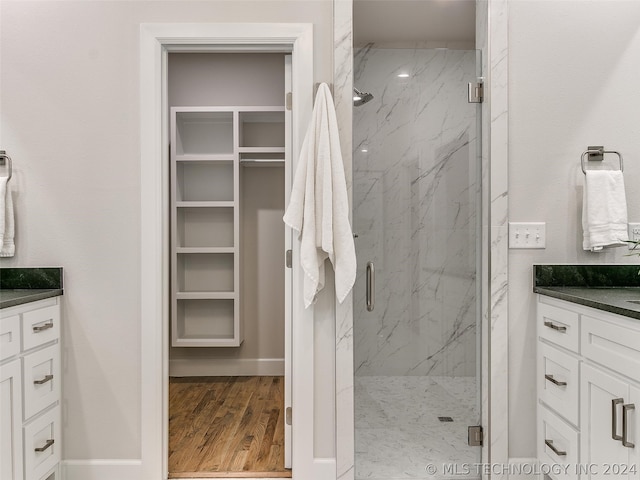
(11, 298)
(24, 285)
(611, 288)
(609, 299)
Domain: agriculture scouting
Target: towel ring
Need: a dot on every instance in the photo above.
(7, 158)
(598, 152)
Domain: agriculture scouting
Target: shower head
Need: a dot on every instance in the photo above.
(360, 98)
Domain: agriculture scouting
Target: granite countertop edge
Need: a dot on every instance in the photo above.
(20, 285)
(12, 298)
(605, 299)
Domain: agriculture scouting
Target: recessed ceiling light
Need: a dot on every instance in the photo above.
(364, 150)
(356, 98)
(403, 75)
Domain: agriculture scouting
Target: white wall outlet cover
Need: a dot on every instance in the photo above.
(527, 235)
(634, 233)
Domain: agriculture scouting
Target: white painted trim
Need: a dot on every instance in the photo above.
(220, 367)
(100, 469)
(155, 41)
(344, 373)
(498, 282)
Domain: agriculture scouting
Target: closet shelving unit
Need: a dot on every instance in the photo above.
(209, 147)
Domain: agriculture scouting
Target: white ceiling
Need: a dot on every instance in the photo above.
(414, 21)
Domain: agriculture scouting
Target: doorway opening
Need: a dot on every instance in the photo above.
(228, 357)
(417, 197)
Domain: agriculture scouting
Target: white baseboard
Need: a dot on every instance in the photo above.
(525, 468)
(101, 469)
(206, 367)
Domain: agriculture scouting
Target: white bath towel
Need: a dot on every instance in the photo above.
(604, 210)
(319, 205)
(7, 226)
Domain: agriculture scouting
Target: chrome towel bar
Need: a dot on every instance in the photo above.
(597, 154)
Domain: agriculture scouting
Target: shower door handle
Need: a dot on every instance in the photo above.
(371, 286)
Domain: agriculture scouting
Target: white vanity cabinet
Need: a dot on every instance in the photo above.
(30, 381)
(588, 391)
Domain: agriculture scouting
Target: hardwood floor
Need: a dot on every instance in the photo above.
(226, 427)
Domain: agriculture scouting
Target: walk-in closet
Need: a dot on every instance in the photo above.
(228, 171)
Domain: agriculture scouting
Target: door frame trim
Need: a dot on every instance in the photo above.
(156, 41)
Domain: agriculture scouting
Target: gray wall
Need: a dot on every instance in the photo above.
(570, 86)
(70, 120)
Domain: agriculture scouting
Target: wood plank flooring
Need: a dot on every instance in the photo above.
(226, 427)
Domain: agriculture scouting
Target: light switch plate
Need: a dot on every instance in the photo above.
(527, 235)
(634, 233)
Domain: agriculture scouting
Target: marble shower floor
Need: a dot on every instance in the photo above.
(398, 433)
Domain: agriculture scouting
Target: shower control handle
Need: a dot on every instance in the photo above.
(371, 286)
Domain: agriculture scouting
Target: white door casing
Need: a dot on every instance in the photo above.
(288, 240)
(156, 41)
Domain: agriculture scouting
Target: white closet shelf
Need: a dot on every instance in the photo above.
(191, 204)
(208, 145)
(261, 150)
(262, 162)
(206, 341)
(205, 295)
(205, 157)
(188, 250)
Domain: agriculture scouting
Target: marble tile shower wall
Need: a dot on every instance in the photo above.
(414, 197)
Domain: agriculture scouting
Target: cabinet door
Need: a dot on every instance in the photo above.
(601, 455)
(11, 422)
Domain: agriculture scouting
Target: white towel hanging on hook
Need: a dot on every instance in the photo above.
(319, 205)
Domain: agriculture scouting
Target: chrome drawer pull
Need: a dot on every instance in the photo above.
(625, 426)
(554, 381)
(46, 445)
(614, 418)
(46, 379)
(555, 327)
(40, 328)
(560, 453)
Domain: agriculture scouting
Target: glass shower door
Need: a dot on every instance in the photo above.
(416, 217)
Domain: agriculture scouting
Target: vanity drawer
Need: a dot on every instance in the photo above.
(40, 326)
(53, 474)
(41, 373)
(559, 381)
(557, 445)
(9, 337)
(42, 444)
(558, 326)
(612, 345)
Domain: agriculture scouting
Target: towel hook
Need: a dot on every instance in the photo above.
(317, 85)
(4, 157)
(597, 154)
